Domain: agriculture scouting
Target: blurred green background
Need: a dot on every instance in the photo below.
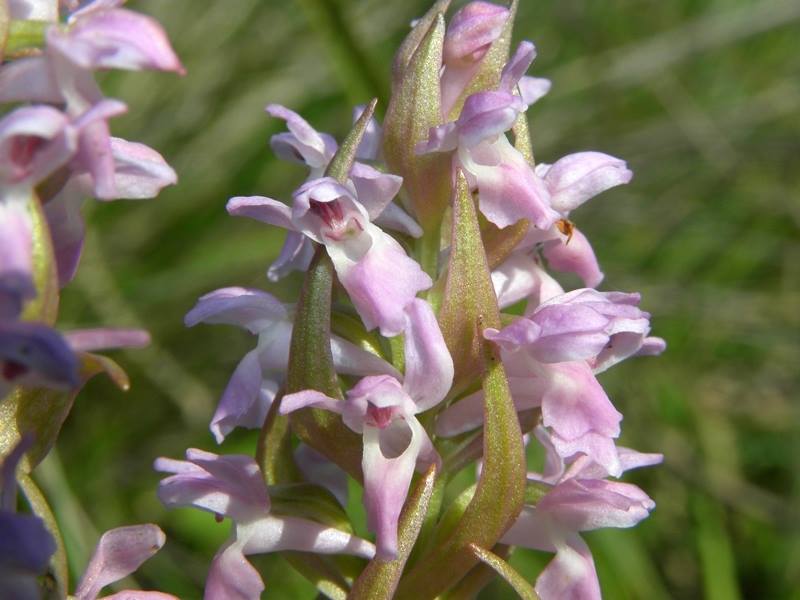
(701, 97)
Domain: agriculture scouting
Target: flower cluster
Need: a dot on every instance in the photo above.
(427, 227)
(56, 150)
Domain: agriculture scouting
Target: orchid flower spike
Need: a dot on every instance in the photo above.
(378, 275)
(233, 486)
(383, 409)
(261, 372)
(508, 188)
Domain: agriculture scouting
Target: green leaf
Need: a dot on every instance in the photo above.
(44, 307)
(414, 108)
(311, 367)
(342, 161)
(43, 411)
(5, 22)
(469, 307)
(320, 571)
(379, 578)
(308, 501)
(274, 447)
(488, 75)
(506, 571)
(24, 36)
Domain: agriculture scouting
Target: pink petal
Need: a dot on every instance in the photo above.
(116, 39)
(429, 367)
(574, 256)
(250, 308)
(576, 178)
(296, 254)
(262, 209)
(29, 79)
(139, 171)
(107, 338)
(517, 65)
(309, 398)
(232, 577)
(533, 89)
(571, 574)
(302, 143)
(243, 403)
(382, 282)
(374, 189)
(67, 227)
(118, 554)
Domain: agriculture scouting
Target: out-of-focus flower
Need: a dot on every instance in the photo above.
(233, 486)
(119, 553)
(383, 410)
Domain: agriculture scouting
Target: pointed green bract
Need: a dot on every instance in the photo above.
(379, 579)
(274, 448)
(414, 108)
(496, 57)
(469, 294)
(44, 307)
(413, 39)
(320, 571)
(469, 307)
(506, 571)
(342, 161)
(24, 36)
(308, 501)
(311, 367)
(4, 25)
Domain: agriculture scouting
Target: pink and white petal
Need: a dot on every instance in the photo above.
(652, 346)
(571, 574)
(320, 471)
(116, 39)
(119, 553)
(229, 485)
(471, 30)
(464, 415)
(310, 399)
(374, 189)
(246, 399)
(232, 577)
(295, 255)
(140, 595)
(16, 256)
(428, 364)
(33, 10)
(532, 89)
(386, 482)
(394, 217)
(29, 80)
(370, 146)
(487, 115)
(574, 256)
(349, 359)
(508, 189)
(272, 533)
(67, 227)
(250, 308)
(303, 143)
(106, 338)
(140, 171)
(382, 282)
(517, 65)
(576, 178)
(586, 504)
(575, 403)
(441, 138)
(261, 209)
(598, 447)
